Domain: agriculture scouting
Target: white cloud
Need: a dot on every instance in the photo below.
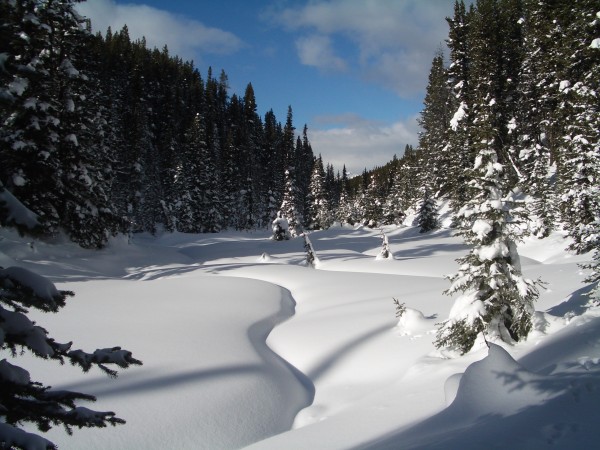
(184, 37)
(317, 51)
(395, 40)
(359, 143)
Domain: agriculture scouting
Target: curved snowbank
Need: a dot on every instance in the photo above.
(208, 381)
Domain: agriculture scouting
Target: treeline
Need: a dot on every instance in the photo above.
(101, 135)
(511, 136)
(522, 81)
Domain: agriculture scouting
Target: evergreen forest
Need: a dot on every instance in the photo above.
(102, 135)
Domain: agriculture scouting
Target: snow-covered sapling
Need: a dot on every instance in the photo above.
(428, 215)
(497, 300)
(23, 400)
(311, 256)
(385, 247)
(281, 230)
(400, 307)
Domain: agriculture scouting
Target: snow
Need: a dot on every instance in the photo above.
(595, 43)
(482, 228)
(13, 374)
(18, 85)
(72, 139)
(17, 212)
(564, 85)
(40, 285)
(459, 115)
(244, 346)
(491, 252)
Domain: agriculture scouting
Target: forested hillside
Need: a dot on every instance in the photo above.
(522, 82)
(101, 135)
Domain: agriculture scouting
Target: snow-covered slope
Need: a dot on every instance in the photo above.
(243, 345)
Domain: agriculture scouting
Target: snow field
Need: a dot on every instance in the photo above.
(245, 346)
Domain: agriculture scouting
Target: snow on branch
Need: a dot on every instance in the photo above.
(24, 400)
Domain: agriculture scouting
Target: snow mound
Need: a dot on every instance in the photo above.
(496, 385)
(413, 323)
(265, 257)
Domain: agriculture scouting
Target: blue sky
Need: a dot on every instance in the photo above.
(354, 71)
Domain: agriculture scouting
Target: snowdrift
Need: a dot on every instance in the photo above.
(245, 346)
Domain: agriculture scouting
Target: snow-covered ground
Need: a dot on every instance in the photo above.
(243, 345)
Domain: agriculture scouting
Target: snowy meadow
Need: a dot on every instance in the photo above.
(243, 345)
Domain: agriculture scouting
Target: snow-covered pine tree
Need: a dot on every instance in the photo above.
(318, 204)
(29, 112)
(395, 203)
(580, 153)
(371, 203)
(87, 213)
(536, 125)
(385, 252)
(274, 162)
(496, 299)
(197, 209)
(311, 255)
(345, 213)
(289, 209)
(580, 107)
(332, 186)
(304, 169)
(457, 151)
(427, 218)
(435, 122)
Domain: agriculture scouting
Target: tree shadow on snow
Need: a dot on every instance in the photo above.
(143, 381)
(575, 305)
(340, 352)
(562, 413)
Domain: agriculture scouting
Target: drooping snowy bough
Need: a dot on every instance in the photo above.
(23, 400)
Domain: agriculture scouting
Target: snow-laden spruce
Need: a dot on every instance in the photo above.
(496, 300)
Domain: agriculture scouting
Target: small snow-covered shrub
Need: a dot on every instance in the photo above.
(385, 252)
(400, 308)
(281, 229)
(311, 256)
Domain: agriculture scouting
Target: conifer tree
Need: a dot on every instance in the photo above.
(435, 121)
(370, 203)
(457, 150)
(318, 207)
(496, 299)
(580, 107)
(274, 163)
(289, 209)
(534, 126)
(345, 212)
(395, 203)
(52, 156)
(428, 215)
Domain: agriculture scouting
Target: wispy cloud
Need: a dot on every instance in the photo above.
(360, 143)
(317, 51)
(394, 40)
(189, 39)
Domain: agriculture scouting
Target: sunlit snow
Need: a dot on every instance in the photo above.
(243, 345)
